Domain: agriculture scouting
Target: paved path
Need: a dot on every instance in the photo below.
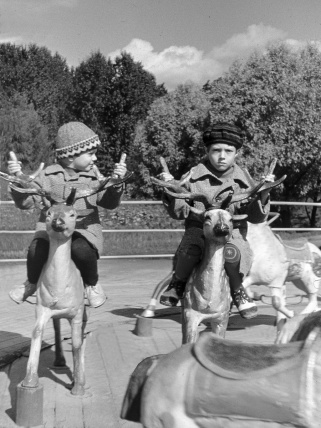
(112, 349)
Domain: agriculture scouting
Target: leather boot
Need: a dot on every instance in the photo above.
(245, 305)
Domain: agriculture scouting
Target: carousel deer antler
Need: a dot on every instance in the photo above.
(179, 192)
(24, 183)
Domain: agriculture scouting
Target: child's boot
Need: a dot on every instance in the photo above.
(20, 293)
(173, 293)
(95, 295)
(245, 305)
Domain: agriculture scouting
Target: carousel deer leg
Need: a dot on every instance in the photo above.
(60, 360)
(309, 283)
(78, 351)
(190, 322)
(278, 303)
(43, 316)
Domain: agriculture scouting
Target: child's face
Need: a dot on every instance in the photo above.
(221, 156)
(85, 161)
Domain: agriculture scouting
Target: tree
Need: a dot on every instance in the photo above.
(111, 97)
(42, 78)
(275, 98)
(21, 131)
(173, 130)
(134, 91)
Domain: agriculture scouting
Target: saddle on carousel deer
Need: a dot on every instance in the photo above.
(76, 150)
(215, 178)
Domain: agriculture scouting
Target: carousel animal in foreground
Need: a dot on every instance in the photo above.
(225, 383)
(60, 289)
(207, 293)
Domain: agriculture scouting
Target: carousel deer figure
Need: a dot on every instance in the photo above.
(60, 294)
(207, 291)
(60, 289)
(224, 383)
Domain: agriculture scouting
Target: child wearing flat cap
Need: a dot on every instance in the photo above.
(217, 175)
(76, 150)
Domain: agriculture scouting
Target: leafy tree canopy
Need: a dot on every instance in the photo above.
(111, 97)
(21, 131)
(42, 78)
(173, 130)
(275, 98)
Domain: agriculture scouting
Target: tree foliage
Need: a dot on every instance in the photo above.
(173, 130)
(111, 97)
(275, 98)
(21, 131)
(42, 78)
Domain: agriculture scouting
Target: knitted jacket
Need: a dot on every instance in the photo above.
(56, 180)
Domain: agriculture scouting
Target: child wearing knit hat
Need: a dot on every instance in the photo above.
(76, 149)
(217, 173)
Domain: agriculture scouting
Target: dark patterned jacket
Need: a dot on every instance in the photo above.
(55, 179)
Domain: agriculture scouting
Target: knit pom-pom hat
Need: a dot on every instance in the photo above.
(223, 132)
(75, 138)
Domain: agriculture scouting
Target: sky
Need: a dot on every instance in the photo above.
(175, 40)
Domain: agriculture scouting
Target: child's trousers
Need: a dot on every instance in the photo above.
(83, 254)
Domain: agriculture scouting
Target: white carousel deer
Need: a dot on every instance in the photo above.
(60, 289)
(207, 292)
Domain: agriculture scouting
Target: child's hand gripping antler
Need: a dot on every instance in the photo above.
(165, 175)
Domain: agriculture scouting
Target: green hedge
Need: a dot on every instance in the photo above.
(133, 216)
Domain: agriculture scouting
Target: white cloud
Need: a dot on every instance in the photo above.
(13, 40)
(173, 65)
(178, 64)
(255, 37)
